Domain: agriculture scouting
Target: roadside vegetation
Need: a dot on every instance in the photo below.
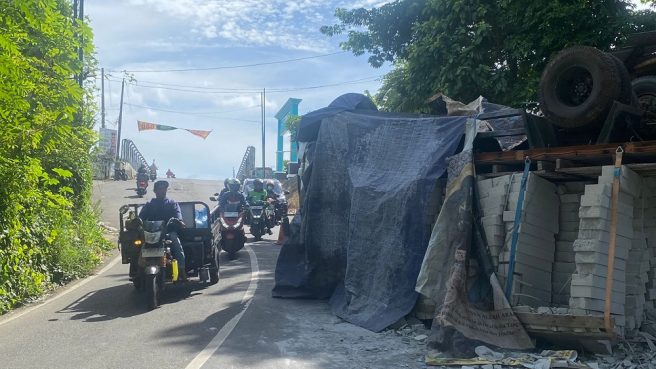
(48, 229)
(467, 48)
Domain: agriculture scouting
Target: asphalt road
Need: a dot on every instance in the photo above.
(102, 322)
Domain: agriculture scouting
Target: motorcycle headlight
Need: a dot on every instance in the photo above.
(137, 243)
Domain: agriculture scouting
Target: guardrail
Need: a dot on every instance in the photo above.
(247, 166)
(131, 155)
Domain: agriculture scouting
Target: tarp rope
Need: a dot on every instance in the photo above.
(515, 231)
(612, 239)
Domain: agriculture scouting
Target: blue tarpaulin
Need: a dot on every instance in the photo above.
(364, 227)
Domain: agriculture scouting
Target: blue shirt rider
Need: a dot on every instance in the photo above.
(163, 208)
(233, 196)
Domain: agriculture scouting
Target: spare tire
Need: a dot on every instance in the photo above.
(578, 87)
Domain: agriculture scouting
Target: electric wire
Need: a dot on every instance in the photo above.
(197, 113)
(229, 66)
(208, 90)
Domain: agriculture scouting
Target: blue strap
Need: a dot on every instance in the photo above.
(515, 234)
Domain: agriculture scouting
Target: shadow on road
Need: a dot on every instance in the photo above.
(121, 301)
(125, 301)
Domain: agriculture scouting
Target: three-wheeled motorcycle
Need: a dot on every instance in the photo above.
(145, 245)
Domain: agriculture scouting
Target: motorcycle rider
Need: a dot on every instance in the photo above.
(163, 208)
(225, 187)
(256, 195)
(142, 174)
(270, 188)
(231, 193)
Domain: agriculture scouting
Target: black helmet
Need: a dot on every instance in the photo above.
(233, 184)
(258, 185)
(161, 184)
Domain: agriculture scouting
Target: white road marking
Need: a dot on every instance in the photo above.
(68, 290)
(221, 336)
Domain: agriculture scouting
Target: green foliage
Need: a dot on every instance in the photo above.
(48, 232)
(291, 125)
(467, 48)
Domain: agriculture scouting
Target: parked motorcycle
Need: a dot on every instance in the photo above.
(120, 174)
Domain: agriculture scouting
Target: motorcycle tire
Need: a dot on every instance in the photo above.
(579, 85)
(138, 283)
(152, 291)
(257, 233)
(214, 267)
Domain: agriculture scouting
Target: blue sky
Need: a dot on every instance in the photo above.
(181, 34)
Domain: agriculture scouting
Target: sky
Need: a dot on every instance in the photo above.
(165, 35)
(169, 35)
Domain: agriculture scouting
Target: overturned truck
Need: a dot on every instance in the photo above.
(513, 227)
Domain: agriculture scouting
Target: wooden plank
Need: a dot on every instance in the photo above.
(559, 336)
(546, 165)
(576, 153)
(565, 321)
(506, 133)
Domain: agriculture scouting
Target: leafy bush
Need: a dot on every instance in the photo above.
(48, 231)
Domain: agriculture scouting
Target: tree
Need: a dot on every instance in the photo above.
(291, 125)
(48, 232)
(467, 48)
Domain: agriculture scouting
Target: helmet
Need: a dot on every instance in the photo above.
(258, 185)
(270, 185)
(233, 184)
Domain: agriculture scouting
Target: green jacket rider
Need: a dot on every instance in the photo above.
(258, 193)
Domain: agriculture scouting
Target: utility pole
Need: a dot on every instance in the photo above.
(102, 97)
(263, 133)
(120, 120)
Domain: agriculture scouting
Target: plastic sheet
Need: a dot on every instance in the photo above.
(363, 229)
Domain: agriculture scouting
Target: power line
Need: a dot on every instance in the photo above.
(279, 89)
(194, 89)
(198, 87)
(231, 66)
(194, 113)
(190, 112)
(353, 82)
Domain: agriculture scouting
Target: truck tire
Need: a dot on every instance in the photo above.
(626, 90)
(578, 87)
(645, 91)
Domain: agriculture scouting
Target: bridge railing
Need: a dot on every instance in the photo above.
(130, 154)
(247, 166)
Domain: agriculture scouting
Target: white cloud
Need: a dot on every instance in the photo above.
(166, 34)
(252, 22)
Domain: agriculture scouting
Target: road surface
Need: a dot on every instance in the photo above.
(102, 322)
